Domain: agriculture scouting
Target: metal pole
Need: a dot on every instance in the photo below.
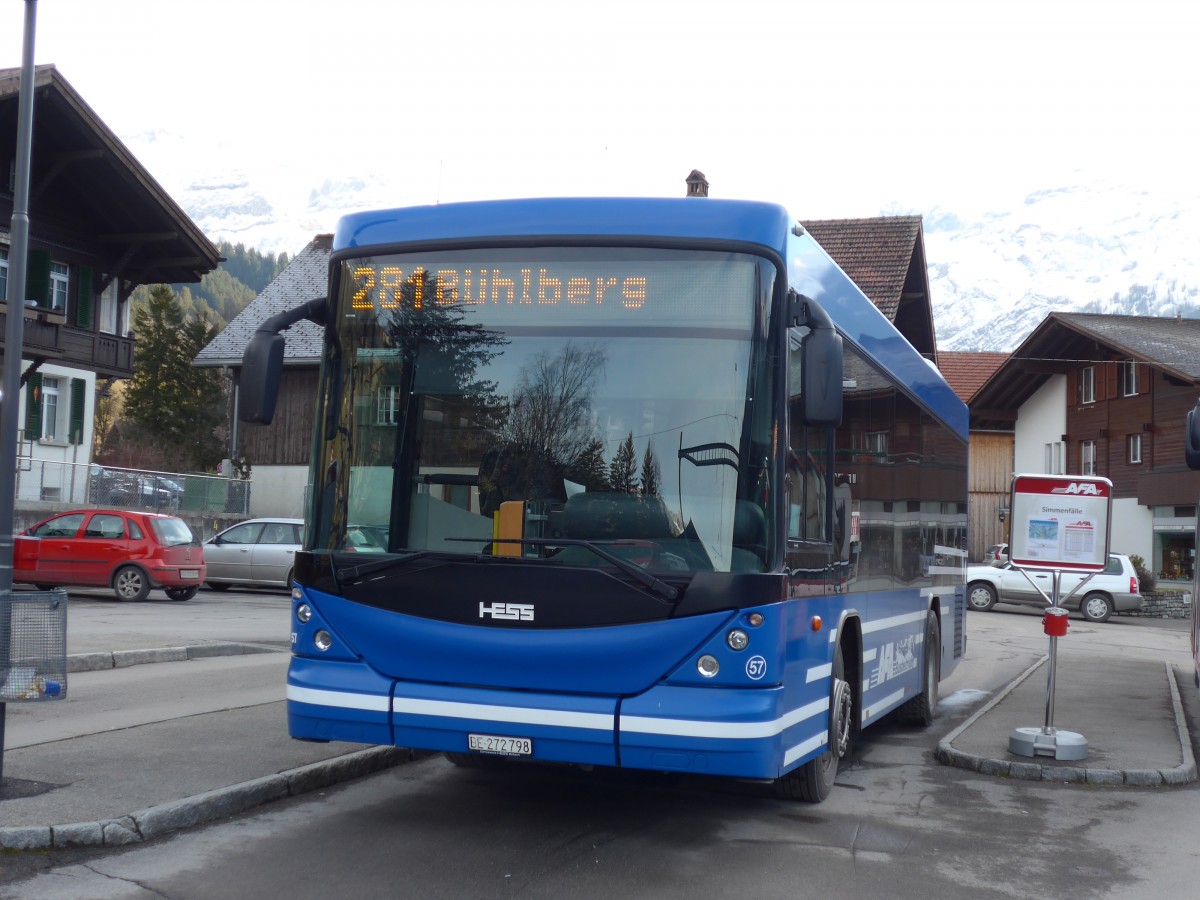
(14, 338)
(1048, 728)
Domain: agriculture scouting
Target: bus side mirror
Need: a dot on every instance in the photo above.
(821, 350)
(258, 386)
(1192, 438)
(262, 361)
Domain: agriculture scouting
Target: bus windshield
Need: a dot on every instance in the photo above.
(541, 402)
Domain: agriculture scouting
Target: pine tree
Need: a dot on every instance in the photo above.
(180, 407)
(589, 468)
(622, 473)
(651, 481)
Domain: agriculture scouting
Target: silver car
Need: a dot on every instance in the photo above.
(1116, 589)
(254, 552)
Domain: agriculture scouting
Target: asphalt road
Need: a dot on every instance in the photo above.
(897, 825)
(98, 621)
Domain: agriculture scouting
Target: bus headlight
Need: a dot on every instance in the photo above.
(708, 666)
(322, 640)
(303, 613)
(737, 639)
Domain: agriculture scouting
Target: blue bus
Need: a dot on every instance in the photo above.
(639, 483)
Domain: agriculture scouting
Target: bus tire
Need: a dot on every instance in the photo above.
(813, 781)
(922, 709)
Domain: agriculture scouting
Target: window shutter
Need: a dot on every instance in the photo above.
(85, 298)
(37, 278)
(78, 403)
(33, 407)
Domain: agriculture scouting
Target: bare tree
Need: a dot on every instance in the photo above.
(551, 407)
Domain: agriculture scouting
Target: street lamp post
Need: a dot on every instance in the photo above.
(14, 338)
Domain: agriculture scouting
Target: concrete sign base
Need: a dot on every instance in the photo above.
(1052, 742)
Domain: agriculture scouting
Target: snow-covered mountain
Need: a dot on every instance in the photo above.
(994, 274)
(1088, 246)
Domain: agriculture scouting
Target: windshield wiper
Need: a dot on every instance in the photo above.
(380, 565)
(656, 585)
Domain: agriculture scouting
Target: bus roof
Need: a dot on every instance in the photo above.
(765, 224)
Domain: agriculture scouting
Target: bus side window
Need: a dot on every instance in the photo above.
(807, 494)
(809, 458)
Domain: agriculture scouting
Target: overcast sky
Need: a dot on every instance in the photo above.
(834, 108)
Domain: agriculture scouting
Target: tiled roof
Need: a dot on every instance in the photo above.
(305, 277)
(967, 372)
(1173, 343)
(876, 253)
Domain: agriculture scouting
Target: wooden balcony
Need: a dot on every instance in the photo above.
(47, 336)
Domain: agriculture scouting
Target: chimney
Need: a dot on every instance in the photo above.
(697, 184)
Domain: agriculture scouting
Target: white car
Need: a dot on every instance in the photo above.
(257, 551)
(1115, 589)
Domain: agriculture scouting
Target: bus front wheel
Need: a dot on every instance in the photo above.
(922, 709)
(813, 781)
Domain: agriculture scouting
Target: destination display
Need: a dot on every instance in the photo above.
(389, 287)
(577, 287)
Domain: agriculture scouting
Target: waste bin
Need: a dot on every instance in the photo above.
(33, 645)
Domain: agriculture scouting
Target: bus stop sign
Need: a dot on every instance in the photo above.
(1060, 522)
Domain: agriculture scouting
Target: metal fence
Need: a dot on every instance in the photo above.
(92, 485)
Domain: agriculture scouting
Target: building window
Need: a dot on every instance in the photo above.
(60, 276)
(1129, 378)
(1135, 448)
(1054, 458)
(387, 405)
(876, 442)
(1087, 458)
(1087, 385)
(110, 309)
(49, 408)
(3, 273)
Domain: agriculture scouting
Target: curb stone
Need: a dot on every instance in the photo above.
(167, 817)
(119, 659)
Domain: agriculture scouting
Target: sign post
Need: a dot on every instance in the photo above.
(1060, 523)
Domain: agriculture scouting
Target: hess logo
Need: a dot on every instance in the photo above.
(512, 612)
(1079, 487)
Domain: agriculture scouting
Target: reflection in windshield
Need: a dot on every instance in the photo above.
(627, 428)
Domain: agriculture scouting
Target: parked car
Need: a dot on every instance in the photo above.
(115, 487)
(997, 555)
(1116, 589)
(129, 551)
(254, 552)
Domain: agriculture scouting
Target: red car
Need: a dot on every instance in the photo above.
(131, 552)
